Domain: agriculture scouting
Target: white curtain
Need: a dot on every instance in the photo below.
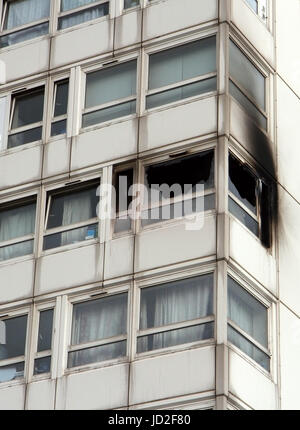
(84, 16)
(77, 207)
(175, 302)
(96, 320)
(25, 11)
(16, 223)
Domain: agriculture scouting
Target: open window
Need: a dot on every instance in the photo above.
(60, 107)
(247, 85)
(13, 333)
(42, 357)
(99, 330)
(17, 228)
(75, 12)
(123, 181)
(176, 313)
(26, 117)
(178, 187)
(248, 324)
(110, 93)
(249, 199)
(23, 20)
(182, 72)
(71, 215)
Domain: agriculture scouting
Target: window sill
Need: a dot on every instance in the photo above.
(246, 228)
(95, 366)
(25, 43)
(69, 247)
(14, 383)
(107, 123)
(51, 139)
(20, 148)
(82, 25)
(16, 260)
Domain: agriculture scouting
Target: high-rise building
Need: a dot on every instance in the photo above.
(159, 299)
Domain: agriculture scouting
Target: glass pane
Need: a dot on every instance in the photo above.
(99, 319)
(42, 365)
(72, 4)
(22, 35)
(11, 372)
(13, 337)
(61, 99)
(178, 210)
(16, 250)
(249, 107)
(45, 330)
(21, 12)
(175, 337)
(58, 127)
(253, 4)
(76, 206)
(247, 312)
(180, 176)
(71, 236)
(17, 221)
(110, 84)
(83, 16)
(109, 114)
(122, 224)
(248, 348)
(28, 108)
(247, 75)
(123, 183)
(177, 301)
(97, 354)
(18, 139)
(181, 63)
(243, 216)
(171, 96)
(131, 3)
(242, 183)
(3, 107)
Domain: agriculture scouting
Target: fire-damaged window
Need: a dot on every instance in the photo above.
(250, 199)
(178, 187)
(123, 181)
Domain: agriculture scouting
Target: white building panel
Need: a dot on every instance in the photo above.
(56, 158)
(128, 29)
(16, 281)
(12, 398)
(40, 395)
(118, 257)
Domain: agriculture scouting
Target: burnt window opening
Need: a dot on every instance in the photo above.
(249, 200)
(182, 186)
(123, 181)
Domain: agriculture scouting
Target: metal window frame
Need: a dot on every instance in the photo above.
(62, 14)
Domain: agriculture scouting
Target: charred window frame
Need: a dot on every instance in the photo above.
(17, 228)
(193, 173)
(23, 20)
(76, 12)
(14, 330)
(98, 328)
(123, 180)
(59, 110)
(177, 313)
(71, 215)
(249, 199)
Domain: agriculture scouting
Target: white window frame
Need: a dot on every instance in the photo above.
(165, 47)
(85, 297)
(165, 158)
(13, 202)
(51, 106)
(10, 314)
(83, 8)
(61, 188)
(164, 279)
(4, 32)
(250, 57)
(260, 5)
(266, 300)
(105, 65)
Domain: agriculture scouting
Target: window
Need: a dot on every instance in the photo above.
(185, 71)
(17, 227)
(179, 187)
(60, 107)
(26, 119)
(23, 20)
(74, 12)
(71, 215)
(3, 122)
(249, 200)
(248, 86)
(99, 330)
(131, 3)
(259, 7)
(12, 347)
(42, 362)
(123, 180)
(110, 93)
(248, 324)
(176, 313)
